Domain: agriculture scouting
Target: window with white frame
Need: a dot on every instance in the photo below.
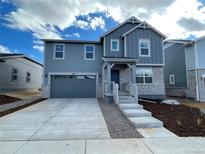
(14, 76)
(28, 77)
(59, 50)
(144, 48)
(144, 75)
(114, 45)
(171, 79)
(89, 52)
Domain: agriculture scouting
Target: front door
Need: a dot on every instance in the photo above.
(115, 76)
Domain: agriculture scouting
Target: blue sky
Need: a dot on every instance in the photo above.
(23, 23)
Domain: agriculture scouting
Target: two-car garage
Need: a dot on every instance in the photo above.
(73, 86)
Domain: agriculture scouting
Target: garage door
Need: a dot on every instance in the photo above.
(73, 86)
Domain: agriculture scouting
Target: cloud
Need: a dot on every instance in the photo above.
(48, 19)
(90, 23)
(39, 48)
(74, 35)
(191, 24)
(4, 49)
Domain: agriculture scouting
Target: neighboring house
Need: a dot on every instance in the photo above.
(128, 53)
(18, 72)
(185, 68)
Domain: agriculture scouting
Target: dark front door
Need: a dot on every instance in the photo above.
(115, 76)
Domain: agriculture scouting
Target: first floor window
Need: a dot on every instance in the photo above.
(14, 76)
(28, 77)
(172, 79)
(144, 75)
(59, 51)
(89, 52)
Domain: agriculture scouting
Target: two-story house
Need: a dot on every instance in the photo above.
(185, 68)
(131, 52)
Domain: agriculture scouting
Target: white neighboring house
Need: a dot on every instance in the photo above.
(18, 72)
(185, 68)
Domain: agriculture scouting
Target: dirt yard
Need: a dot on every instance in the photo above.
(180, 119)
(7, 99)
(22, 94)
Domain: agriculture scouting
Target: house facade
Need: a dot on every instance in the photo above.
(19, 72)
(185, 68)
(131, 52)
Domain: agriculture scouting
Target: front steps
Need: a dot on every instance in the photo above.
(143, 121)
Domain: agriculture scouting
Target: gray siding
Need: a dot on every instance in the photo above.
(23, 65)
(73, 60)
(117, 35)
(200, 45)
(190, 57)
(175, 64)
(155, 46)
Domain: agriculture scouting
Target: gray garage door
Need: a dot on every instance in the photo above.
(73, 86)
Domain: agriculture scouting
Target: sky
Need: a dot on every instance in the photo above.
(23, 23)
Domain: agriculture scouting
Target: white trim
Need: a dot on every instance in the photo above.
(104, 47)
(143, 76)
(70, 73)
(196, 74)
(125, 46)
(163, 53)
(119, 25)
(172, 43)
(170, 79)
(129, 31)
(15, 74)
(85, 58)
(185, 53)
(149, 64)
(54, 51)
(149, 52)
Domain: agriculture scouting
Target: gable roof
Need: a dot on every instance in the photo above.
(130, 20)
(199, 39)
(144, 25)
(69, 41)
(16, 55)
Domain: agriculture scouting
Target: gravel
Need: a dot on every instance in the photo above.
(118, 125)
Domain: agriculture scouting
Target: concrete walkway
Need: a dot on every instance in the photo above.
(55, 119)
(107, 146)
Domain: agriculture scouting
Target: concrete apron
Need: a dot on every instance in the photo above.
(55, 119)
(180, 145)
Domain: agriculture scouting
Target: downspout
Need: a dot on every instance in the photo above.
(125, 46)
(196, 73)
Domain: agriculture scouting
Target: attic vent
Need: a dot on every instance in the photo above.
(133, 21)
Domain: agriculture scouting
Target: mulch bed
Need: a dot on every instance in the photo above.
(180, 119)
(118, 125)
(7, 99)
(20, 107)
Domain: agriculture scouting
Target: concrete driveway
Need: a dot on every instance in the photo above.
(55, 119)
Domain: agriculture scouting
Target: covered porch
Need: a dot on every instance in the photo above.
(118, 71)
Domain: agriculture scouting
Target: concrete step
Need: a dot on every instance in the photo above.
(126, 97)
(137, 113)
(155, 132)
(145, 122)
(130, 106)
(127, 101)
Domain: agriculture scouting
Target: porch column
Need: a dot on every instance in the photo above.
(133, 73)
(109, 76)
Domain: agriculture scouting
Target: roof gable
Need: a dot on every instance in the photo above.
(130, 20)
(144, 25)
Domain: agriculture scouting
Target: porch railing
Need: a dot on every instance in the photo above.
(115, 92)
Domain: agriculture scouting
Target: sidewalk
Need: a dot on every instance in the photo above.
(179, 145)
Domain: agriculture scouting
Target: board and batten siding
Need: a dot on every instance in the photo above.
(22, 65)
(200, 46)
(73, 59)
(132, 41)
(175, 64)
(190, 57)
(116, 34)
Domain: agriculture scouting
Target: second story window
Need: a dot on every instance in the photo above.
(14, 76)
(171, 79)
(114, 45)
(144, 48)
(89, 52)
(59, 50)
(28, 77)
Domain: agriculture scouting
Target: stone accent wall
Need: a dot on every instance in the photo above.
(201, 85)
(155, 88)
(125, 76)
